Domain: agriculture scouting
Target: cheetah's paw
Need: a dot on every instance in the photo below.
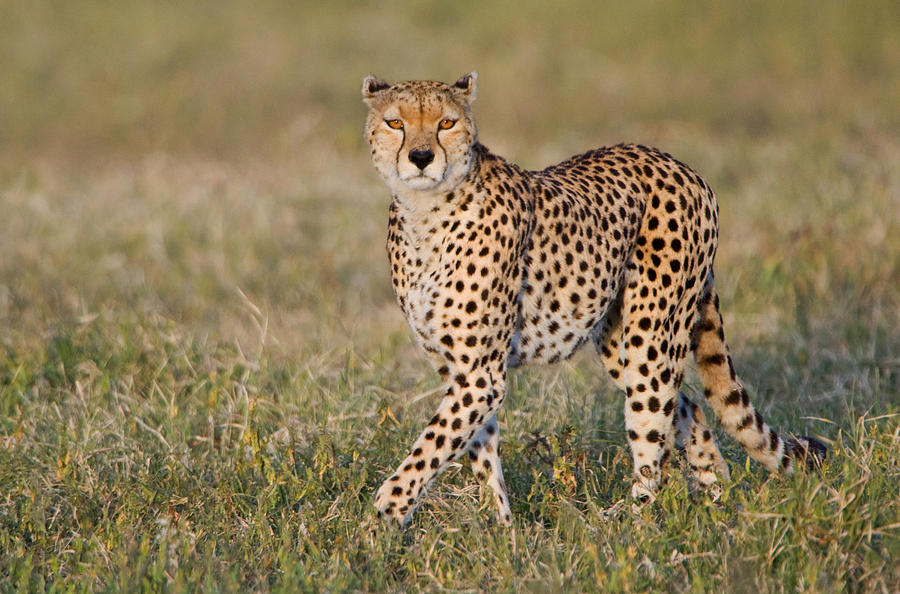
(393, 504)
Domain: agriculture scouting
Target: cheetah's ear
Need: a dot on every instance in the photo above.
(372, 86)
(466, 86)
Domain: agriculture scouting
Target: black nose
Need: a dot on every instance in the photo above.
(420, 158)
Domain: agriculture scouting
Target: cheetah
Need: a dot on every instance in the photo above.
(496, 267)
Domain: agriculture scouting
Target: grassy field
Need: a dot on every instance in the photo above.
(204, 375)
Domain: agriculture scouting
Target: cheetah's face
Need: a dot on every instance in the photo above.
(421, 132)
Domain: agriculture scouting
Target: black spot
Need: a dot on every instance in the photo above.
(733, 398)
(653, 404)
(717, 359)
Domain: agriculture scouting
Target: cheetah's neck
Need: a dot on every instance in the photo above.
(428, 215)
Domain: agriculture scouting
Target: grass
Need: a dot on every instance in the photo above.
(203, 374)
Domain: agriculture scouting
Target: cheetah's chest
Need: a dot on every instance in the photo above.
(426, 272)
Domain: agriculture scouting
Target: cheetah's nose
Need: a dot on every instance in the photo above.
(421, 158)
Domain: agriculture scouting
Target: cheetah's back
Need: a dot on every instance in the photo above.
(596, 214)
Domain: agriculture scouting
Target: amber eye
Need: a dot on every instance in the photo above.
(395, 124)
(446, 124)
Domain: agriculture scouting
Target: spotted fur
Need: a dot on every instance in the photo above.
(496, 267)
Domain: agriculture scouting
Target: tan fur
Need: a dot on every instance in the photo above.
(495, 267)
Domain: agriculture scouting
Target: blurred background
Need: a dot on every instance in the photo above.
(203, 372)
(200, 165)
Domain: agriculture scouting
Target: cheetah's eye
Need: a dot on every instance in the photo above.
(446, 124)
(395, 124)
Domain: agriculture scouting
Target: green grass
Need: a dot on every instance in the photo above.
(203, 373)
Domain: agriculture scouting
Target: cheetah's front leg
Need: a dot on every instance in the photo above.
(484, 452)
(470, 401)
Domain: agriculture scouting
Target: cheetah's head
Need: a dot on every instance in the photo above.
(421, 132)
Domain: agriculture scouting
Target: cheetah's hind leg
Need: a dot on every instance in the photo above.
(706, 464)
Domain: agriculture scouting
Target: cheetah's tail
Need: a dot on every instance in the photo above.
(731, 403)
